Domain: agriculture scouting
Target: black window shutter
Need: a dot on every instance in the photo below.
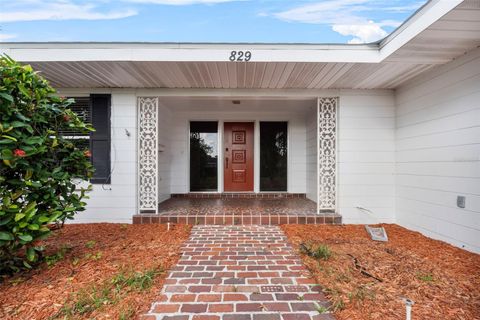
(100, 139)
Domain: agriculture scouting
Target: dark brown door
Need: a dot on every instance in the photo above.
(238, 151)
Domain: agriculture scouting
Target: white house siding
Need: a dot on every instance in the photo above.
(366, 152)
(311, 154)
(438, 152)
(164, 154)
(115, 202)
(366, 156)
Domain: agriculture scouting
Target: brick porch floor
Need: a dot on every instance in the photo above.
(239, 273)
(269, 209)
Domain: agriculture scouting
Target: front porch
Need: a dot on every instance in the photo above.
(239, 209)
(242, 160)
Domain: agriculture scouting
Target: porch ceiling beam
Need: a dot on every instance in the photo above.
(258, 94)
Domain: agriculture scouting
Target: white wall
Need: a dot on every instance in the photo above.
(366, 156)
(115, 202)
(438, 152)
(164, 157)
(311, 154)
(366, 150)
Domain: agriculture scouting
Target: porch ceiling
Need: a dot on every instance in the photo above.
(228, 75)
(440, 32)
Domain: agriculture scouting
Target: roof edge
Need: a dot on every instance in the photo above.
(375, 52)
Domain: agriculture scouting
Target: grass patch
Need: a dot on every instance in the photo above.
(137, 280)
(87, 301)
(90, 299)
(321, 309)
(316, 251)
(129, 313)
(335, 296)
(427, 277)
(90, 244)
(94, 256)
(57, 256)
(360, 294)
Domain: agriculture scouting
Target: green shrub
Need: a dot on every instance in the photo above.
(39, 167)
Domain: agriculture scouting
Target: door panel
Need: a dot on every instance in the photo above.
(238, 164)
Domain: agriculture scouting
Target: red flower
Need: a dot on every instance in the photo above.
(19, 153)
(87, 153)
(66, 117)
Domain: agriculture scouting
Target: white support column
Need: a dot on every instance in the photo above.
(147, 111)
(327, 154)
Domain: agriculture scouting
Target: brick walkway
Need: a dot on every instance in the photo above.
(239, 273)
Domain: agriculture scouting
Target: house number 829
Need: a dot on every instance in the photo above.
(240, 56)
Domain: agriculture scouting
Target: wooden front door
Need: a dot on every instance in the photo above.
(238, 159)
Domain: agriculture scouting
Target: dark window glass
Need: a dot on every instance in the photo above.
(96, 111)
(273, 156)
(203, 155)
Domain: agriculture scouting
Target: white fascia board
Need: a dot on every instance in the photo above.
(431, 12)
(360, 54)
(218, 52)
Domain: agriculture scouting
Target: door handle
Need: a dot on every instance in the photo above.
(226, 159)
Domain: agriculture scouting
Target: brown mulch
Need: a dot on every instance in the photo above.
(442, 280)
(96, 254)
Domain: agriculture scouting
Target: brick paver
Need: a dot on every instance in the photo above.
(239, 272)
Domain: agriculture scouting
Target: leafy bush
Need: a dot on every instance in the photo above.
(38, 165)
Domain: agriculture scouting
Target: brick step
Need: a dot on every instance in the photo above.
(239, 195)
(261, 219)
(275, 309)
(243, 316)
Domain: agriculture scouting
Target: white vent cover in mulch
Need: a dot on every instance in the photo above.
(377, 233)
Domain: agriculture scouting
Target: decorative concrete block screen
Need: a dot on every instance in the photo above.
(147, 154)
(327, 154)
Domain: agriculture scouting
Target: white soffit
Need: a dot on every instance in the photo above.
(439, 32)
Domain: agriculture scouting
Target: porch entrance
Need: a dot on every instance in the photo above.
(183, 142)
(238, 150)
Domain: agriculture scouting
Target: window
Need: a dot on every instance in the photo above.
(82, 108)
(273, 156)
(203, 156)
(95, 110)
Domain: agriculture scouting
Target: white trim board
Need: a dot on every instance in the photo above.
(364, 53)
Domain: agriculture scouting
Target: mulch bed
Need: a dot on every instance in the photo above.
(443, 281)
(94, 259)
